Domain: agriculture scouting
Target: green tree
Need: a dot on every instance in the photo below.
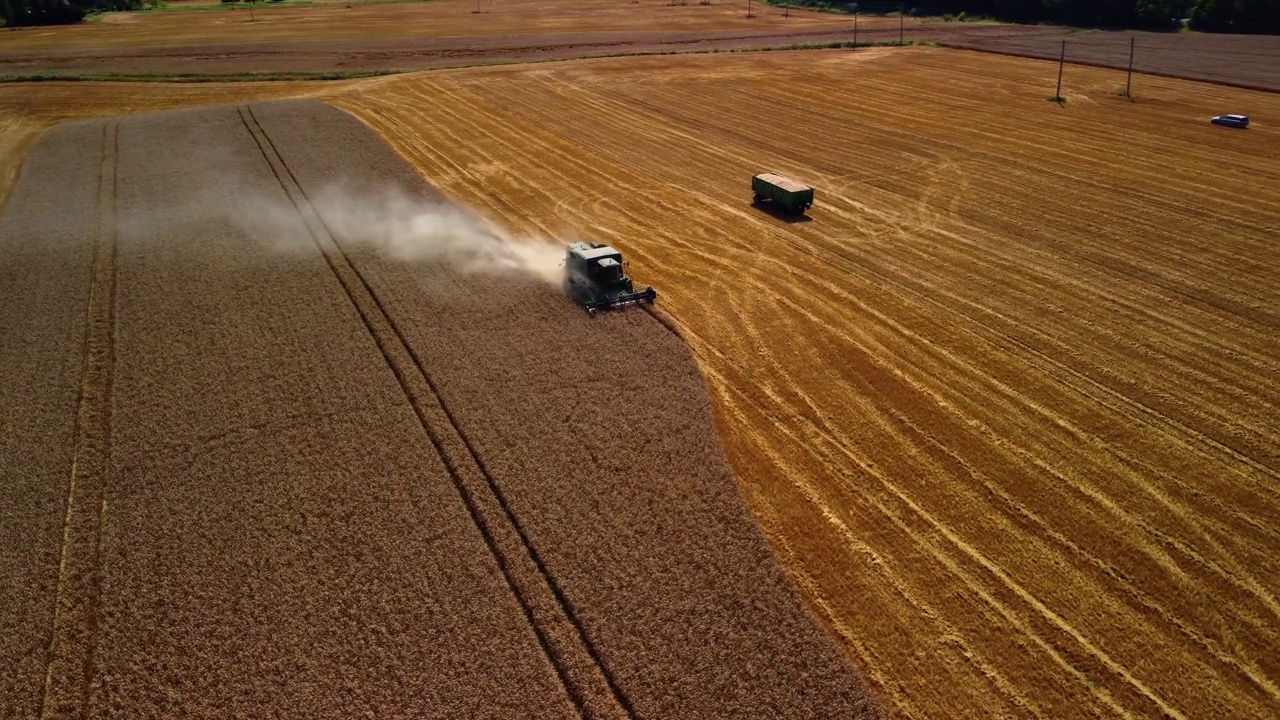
(1252, 16)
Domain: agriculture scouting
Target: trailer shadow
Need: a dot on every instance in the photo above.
(780, 213)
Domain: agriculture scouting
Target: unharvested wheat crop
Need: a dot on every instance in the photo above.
(280, 465)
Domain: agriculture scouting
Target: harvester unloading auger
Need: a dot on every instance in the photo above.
(594, 277)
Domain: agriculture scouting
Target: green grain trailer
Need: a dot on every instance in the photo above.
(787, 193)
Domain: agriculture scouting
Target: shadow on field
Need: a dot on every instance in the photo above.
(780, 213)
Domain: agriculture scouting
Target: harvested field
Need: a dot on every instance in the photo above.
(447, 33)
(437, 18)
(330, 37)
(253, 467)
(403, 35)
(226, 61)
(1005, 403)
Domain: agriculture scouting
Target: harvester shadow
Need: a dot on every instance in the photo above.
(780, 213)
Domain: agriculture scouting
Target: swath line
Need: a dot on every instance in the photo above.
(73, 637)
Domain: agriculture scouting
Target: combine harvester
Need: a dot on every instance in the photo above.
(593, 276)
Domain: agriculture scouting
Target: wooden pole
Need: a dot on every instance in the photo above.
(855, 26)
(1128, 81)
(1061, 60)
(902, 18)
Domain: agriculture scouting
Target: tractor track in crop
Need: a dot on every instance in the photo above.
(550, 615)
(73, 635)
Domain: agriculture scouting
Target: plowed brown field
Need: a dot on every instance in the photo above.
(249, 477)
(1250, 61)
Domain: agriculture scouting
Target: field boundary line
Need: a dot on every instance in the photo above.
(951, 45)
(666, 321)
(73, 635)
(585, 694)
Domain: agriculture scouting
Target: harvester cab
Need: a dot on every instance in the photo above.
(595, 278)
(609, 271)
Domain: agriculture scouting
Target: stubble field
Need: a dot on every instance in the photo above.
(1004, 404)
(1006, 401)
(415, 35)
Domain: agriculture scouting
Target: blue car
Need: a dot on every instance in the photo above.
(1235, 121)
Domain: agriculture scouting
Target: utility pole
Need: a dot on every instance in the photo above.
(1057, 95)
(902, 18)
(855, 26)
(1128, 82)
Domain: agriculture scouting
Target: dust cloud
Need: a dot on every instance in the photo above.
(405, 228)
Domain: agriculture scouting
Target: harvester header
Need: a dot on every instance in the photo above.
(594, 276)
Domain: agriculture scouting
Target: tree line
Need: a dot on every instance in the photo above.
(58, 12)
(1252, 16)
(1257, 16)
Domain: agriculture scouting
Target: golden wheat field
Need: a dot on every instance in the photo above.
(1005, 402)
(438, 18)
(27, 111)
